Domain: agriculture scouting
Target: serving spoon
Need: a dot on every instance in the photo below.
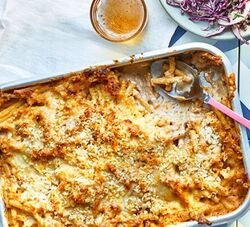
(195, 90)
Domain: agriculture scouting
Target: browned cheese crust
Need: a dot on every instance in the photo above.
(93, 150)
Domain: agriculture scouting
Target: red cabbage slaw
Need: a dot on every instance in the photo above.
(220, 14)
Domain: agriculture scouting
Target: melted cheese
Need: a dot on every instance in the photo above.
(85, 152)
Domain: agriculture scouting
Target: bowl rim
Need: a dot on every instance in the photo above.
(223, 36)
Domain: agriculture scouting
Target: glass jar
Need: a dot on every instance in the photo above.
(118, 20)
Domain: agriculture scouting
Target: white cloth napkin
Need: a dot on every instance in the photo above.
(51, 37)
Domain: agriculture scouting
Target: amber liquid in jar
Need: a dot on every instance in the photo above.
(121, 19)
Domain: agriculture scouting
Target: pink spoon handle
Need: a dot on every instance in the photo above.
(228, 112)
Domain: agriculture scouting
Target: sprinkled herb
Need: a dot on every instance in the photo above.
(237, 15)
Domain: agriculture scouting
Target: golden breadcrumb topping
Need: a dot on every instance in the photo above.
(99, 149)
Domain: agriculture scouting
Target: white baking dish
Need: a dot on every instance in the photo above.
(157, 55)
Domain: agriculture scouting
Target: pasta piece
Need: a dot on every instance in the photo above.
(172, 65)
(8, 112)
(179, 73)
(162, 81)
(223, 119)
(142, 101)
(130, 89)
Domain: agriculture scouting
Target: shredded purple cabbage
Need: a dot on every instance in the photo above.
(215, 12)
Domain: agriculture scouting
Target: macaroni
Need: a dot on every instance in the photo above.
(90, 150)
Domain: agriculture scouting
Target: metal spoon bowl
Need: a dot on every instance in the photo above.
(194, 91)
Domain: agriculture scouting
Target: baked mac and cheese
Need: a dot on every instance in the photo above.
(101, 149)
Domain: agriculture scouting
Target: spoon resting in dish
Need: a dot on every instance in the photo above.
(192, 89)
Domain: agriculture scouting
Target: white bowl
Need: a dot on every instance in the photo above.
(196, 27)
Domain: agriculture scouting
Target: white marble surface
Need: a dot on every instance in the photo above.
(52, 37)
(45, 37)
